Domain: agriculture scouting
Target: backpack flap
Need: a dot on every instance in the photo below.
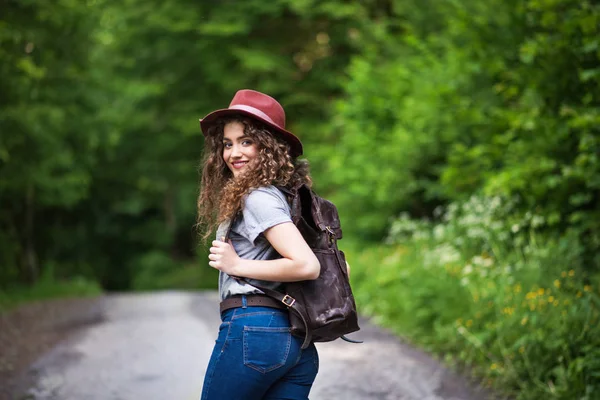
(326, 216)
(314, 215)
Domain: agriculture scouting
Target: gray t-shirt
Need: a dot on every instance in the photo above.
(263, 208)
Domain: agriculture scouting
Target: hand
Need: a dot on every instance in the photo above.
(223, 256)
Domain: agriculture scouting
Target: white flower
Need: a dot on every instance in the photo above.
(467, 269)
(537, 220)
(438, 231)
(477, 260)
(487, 262)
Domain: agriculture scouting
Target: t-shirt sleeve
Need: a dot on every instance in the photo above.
(263, 209)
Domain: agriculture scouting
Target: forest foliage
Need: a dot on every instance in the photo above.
(404, 106)
(417, 117)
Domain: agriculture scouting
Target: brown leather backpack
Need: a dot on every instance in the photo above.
(323, 309)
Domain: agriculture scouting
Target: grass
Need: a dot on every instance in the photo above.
(157, 271)
(518, 309)
(45, 289)
(522, 336)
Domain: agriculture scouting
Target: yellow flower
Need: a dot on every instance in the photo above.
(587, 288)
(524, 320)
(522, 349)
(508, 310)
(541, 291)
(563, 274)
(579, 294)
(557, 283)
(517, 288)
(531, 295)
(469, 323)
(555, 303)
(494, 366)
(572, 273)
(550, 299)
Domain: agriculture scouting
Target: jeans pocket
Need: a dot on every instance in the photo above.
(266, 349)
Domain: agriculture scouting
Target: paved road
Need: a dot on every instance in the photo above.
(156, 346)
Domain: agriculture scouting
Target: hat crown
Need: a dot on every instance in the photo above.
(260, 107)
(251, 100)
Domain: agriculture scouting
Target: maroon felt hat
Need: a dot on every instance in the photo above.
(258, 106)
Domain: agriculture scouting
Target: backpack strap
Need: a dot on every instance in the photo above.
(292, 305)
(287, 300)
(293, 201)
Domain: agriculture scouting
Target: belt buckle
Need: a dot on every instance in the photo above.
(288, 300)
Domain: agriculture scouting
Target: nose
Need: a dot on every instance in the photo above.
(236, 151)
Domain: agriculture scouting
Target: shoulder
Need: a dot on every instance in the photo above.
(265, 195)
(264, 207)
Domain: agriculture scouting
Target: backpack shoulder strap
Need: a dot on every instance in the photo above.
(291, 194)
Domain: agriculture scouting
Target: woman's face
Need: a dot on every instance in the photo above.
(239, 150)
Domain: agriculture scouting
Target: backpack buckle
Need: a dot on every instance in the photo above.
(331, 234)
(288, 300)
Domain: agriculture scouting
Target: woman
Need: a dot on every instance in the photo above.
(248, 152)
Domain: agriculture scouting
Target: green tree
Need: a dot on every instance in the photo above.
(47, 139)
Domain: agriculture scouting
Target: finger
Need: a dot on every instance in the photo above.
(215, 250)
(223, 239)
(222, 246)
(212, 257)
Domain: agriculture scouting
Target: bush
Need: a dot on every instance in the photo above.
(454, 98)
(157, 270)
(492, 292)
(48, 287)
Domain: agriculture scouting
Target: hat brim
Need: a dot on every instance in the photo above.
(208, 121)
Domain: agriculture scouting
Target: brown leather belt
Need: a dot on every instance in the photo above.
(251, 300)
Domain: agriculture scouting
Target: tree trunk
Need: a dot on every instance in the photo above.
(171, 218)
(31, 265)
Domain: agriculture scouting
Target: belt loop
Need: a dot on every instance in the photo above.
(244, 301)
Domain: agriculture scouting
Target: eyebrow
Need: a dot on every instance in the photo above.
(240, 138)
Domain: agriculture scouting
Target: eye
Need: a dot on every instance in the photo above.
(226, 145)
(247, 142)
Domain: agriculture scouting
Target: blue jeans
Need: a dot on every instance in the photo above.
(256, 358)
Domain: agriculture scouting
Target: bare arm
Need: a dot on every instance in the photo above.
(297, 261)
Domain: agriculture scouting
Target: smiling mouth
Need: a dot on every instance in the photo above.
(239, 164)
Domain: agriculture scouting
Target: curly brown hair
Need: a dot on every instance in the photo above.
(221, 196)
